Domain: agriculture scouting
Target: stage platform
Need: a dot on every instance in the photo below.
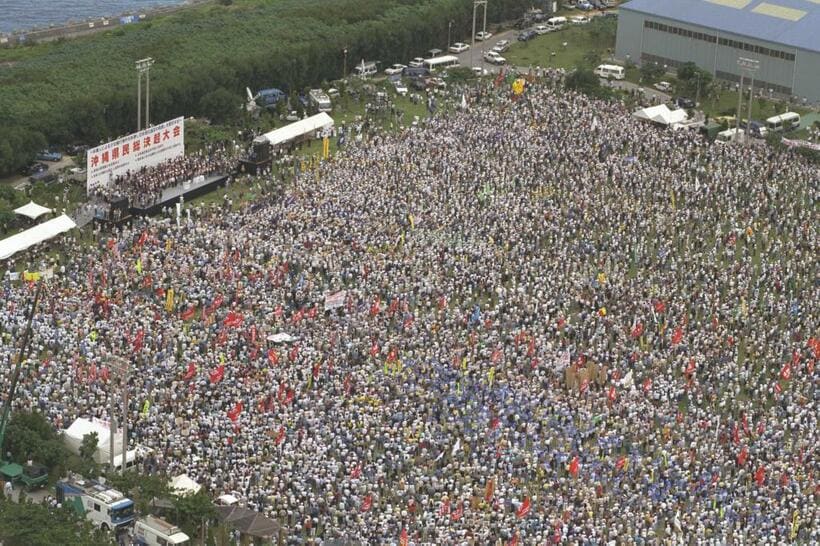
(170, 196)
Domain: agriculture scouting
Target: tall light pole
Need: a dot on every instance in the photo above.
(750, 66)
(477, 3)
(449, 30)
(344, 66)
(143, 67)
(119, 370)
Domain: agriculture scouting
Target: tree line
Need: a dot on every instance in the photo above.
(82, 91)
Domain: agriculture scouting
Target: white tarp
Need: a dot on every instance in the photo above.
(184, 485)
(662, 114)
(39, 233)
(282, 338)
(297, 129)
(32, 210)
(73, 438)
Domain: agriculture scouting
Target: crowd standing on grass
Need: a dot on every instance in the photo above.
(536, 321)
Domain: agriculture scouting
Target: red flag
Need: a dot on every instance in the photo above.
(217, 375)
(660, 307)
(273, 357)
(312, 312)
(234, 319)
(777, 388)
(188, 313)
(690, 368)
(458, 512)
(104, 373)
(280, 436)
(143, 238)
(735, 434)
(621, 462)
(760, 475)
(316, 368)
(743, 456)
(191, 371)
(500, 78)
(574, 466)
(356, 472)
(375, 307)
(374, 349)
(496, 356)
(138, 340)
(347, 384)
(403, 541)
(514, 540)
(611, 395)
(745, 423)
(524, 509)
(584, 386)
(234, 413)
(494, 422)
(442, 302)
(393, 355)
(293, 353)
(647, 385)
(761, 428)
(637, 330)
(786, 371)
(278, 312)
(367, 502)
(677, 335)
(489, 490)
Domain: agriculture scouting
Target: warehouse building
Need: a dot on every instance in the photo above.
(782, 35)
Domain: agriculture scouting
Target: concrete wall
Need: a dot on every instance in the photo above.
(799, 76)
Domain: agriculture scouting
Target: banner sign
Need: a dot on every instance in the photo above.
(146, 148)
(334, 301)
(800, 144)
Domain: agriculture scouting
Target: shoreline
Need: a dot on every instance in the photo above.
(91, 25)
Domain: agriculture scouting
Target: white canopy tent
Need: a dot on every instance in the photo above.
(297, 129)
(73, 438)
(183, 485)
(661, 114)
(32, 210)
(32, 236)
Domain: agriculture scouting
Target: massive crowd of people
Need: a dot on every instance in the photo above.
(536, 321)
(146, 186)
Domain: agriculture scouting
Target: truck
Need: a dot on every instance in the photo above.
(154, 531)
(103, 506)
(319, 100)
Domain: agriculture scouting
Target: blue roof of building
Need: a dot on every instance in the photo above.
(803, 33)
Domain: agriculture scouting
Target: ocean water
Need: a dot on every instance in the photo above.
(27, 14)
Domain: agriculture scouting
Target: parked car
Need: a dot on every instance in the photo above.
(401, 89)
(584, 5)
(579, 20)
(663, 86)
(436, 83)
(541, 29)
(34, 168)
(478, 71)
(527, 35)
(501, 46)
(395, 69)
(459, 47)
(494, 57)
(483, 35)
(683, 102)
(417, 62)
(48, 155)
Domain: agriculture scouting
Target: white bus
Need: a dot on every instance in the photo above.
(783, 122)
(104, 507)
(556, 22)
(610, 71)
(445, 61)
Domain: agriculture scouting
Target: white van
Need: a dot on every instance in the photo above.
(610, 71)
(365, 69)
(783, 122)
(154, 531)
(556, 22)
(729, 135)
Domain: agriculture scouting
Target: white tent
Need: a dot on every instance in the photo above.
(184, 485)
(35, 235)
(73, 438)
(661, 114)
(297, 129)
(32, 210)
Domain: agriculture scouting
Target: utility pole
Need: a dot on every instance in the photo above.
(344, 69)
(119, 370)
(739, 103)
(750, 66)
(449, 30)
(144, 67)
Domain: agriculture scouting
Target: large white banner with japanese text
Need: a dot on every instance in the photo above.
(147, 148)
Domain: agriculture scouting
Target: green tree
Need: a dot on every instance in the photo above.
(193, 511)
(591, 58)
(141, 488)
(651, 72)
(28, 524)
(694, 82)
(220, 106)
(585, 81)
(31, 436)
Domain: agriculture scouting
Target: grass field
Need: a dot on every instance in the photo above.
(565, 48)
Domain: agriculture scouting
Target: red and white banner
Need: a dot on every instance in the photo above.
(146, 148)
(334, 301)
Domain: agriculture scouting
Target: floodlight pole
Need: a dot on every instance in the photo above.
(750, 66)
(144, 67)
